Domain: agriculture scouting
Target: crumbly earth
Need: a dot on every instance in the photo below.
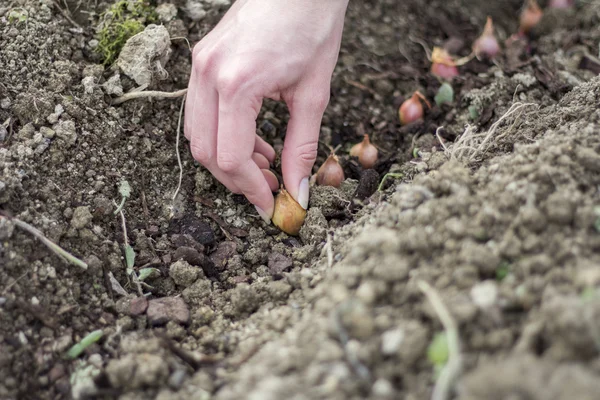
(502, 219)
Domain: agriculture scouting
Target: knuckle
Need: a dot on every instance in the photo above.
(230, 82)
(306, 153)
(320, 101)
(201, 154)
(203, 62)
(196, 49)
(228, 162)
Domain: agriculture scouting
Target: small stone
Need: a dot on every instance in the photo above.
(7, 227)
(160, 311)
(57, 372)
(81, 217)
(367, 184)
(65, 130)
(5, 103)
(47, 132)
(314, 229)
(485, 294)
(89, 83)
(166, 12)
(356, 318)
(144, 55)
(194, 9)
(245, 299)
(382, 388)
(113, 85)
(278, 263)
(279, 290)
(391, 341)
(225, 250)
(189, 255)
(26, 132)
(138, 306)
(183, 274)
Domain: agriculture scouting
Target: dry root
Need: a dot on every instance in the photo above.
(472, 145)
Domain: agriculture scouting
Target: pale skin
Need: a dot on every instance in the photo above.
(284, 50)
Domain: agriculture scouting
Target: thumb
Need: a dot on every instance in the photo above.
(301, 142)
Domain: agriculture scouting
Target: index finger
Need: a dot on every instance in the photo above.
(235, 145)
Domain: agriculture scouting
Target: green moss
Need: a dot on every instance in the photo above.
(121, 21)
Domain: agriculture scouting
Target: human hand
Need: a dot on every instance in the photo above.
(279, 49)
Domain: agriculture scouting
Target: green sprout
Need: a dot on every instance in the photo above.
(86, 342)
(473, 112)
(444, 95)
(438, 352)
(502, 270)
(396, 175)
(17, 15)
(589, 293)
(125, 192)
(121, 21)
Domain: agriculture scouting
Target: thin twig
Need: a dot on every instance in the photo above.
(453, 367)
(437, 135)
(67, 15)
(49, 243)
(178, 156)
(125, 239)
(148, 93)
(424, 45)
(184, 38)
(329, 250)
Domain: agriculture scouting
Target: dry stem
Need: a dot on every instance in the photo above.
(49, 243)
(178, 155)
(148, 93)
(453, 367)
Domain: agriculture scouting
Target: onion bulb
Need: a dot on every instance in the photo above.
(530, 16)
(487, 44)
(366, 152)
(412, 109)
(442, 64)
(560, 3)
(331, 172)
(288, 214)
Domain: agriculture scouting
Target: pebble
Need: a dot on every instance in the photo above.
(65, 130)
(160, 311)
(183, 274)
(391, 341)
(485, 294)
(138, 306)
(81, 217)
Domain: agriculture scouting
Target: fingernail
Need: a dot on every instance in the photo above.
(263, 215)
(303, 193)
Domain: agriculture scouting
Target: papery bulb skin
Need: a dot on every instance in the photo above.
(366, 152)
(288, 215)
(411, 110)
(442, 64)
(330, 173)
(561, 4)
(487, 45)
(530, 17)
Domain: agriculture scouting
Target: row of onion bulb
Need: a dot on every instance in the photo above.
(289, 215)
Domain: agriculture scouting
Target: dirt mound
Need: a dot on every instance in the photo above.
(493, 201)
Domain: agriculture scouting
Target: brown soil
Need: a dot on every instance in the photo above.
(506, 226)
